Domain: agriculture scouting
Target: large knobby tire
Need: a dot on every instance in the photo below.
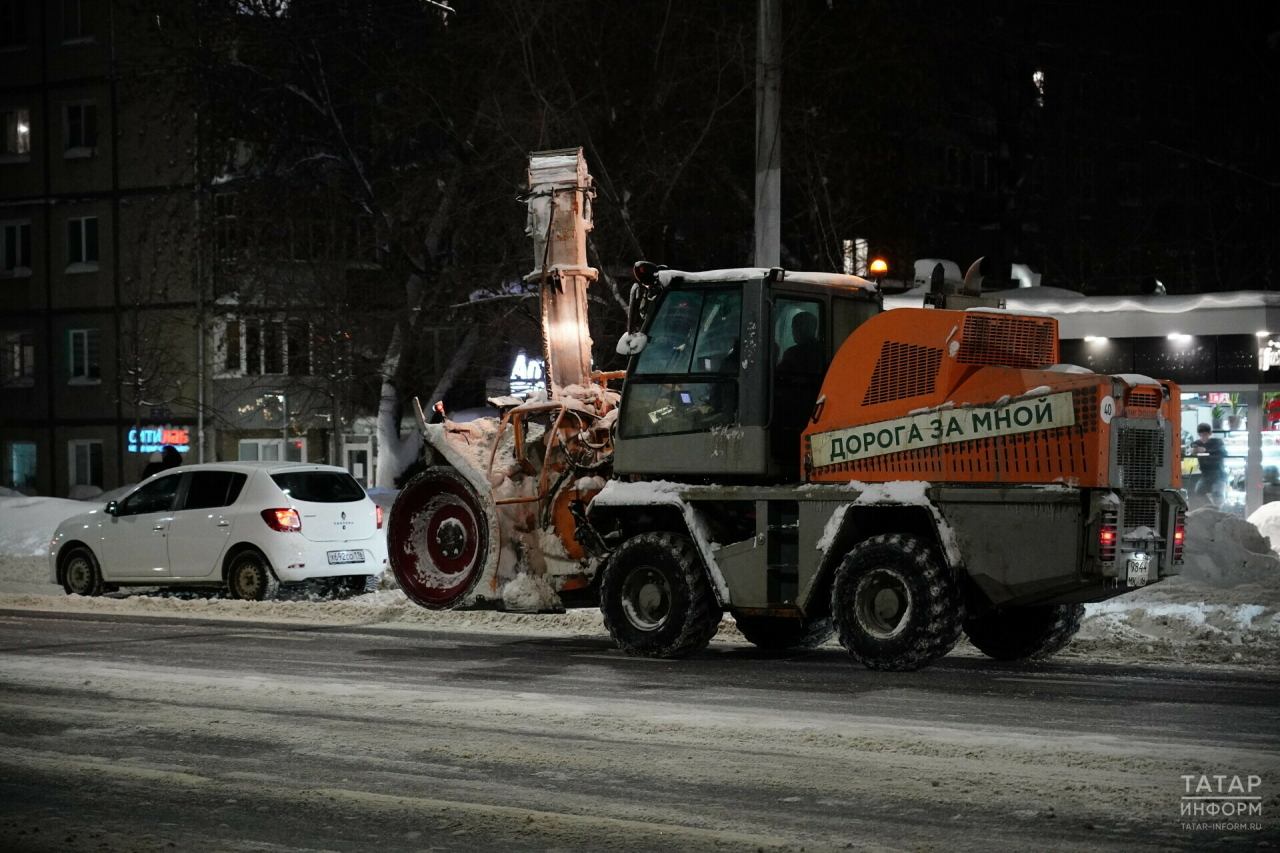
(81, 574)
(895, 605)
(249, 578)
(771, 632)
(1021, 633)
(655, 597)
(438, 538)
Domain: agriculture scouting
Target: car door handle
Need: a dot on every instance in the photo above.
(158, 527)
(224, 524)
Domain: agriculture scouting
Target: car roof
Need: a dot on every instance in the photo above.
(250, 467)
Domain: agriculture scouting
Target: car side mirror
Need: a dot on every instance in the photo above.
(112, 508)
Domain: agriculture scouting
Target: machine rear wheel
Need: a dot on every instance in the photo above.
(895, 606)
(655, 597)
(770, 632)
(438, 538)
(1021, 633)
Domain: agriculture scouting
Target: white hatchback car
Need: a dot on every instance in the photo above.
(244, 526)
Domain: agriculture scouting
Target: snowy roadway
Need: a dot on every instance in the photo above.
(123, 732)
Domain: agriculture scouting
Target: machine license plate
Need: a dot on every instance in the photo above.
(1139, 569)
(339, 557)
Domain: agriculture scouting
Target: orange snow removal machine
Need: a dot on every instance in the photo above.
(783, 450)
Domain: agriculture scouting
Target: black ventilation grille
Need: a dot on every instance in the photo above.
(1012, 341)
(904, 370)
(1139, 453)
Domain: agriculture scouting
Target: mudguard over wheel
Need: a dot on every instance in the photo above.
(249, 578)
(1021, 633)
(895, 605)
(438, 538)
(80, 573)
(655, 597)
(769, 632)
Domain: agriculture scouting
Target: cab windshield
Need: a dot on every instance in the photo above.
(686, 378)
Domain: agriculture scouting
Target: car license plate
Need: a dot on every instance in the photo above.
(339, 557)
(1139, 569)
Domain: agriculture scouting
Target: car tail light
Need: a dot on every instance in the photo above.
(1179, 534)
(1108, 533)
(379, 516)
(284, 520)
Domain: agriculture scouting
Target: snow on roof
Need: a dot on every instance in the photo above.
(1241, 312)
(746, 273)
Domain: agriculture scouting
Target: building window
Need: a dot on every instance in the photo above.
(17, 359)
(262, 347)
(13, 23)
(83, 356)
(298, 354)
(15, 248)
(84, 463)
(76, 22)
(17, 134)
(232, 363)
(226, 226)
(80, 126)
(20, 466)
(268, 450)
(82, 244)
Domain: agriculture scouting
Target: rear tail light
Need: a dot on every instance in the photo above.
(378, 509)
(1108, 533)
(1179, 534)
(284, 520)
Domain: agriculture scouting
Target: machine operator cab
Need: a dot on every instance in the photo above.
(727, 366)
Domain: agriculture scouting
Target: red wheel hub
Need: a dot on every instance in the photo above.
(437, 538)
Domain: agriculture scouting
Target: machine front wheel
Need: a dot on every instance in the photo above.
(655, 597)
(894, 604)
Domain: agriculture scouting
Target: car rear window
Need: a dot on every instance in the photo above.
(320, 487)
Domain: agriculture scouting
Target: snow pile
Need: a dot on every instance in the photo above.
(1267, 520)
(27, 524)
(1225, 551)
(529, 594)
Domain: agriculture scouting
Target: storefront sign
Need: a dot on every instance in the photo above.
(942, 427)
(153, 439)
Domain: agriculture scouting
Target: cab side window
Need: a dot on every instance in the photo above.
(210, 489)
(847, 315)
(799, 365)
(156, 496)
(798, 337)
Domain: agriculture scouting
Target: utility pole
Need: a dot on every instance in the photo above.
(768, 228)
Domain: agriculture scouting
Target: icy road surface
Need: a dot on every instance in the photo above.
(123, 732)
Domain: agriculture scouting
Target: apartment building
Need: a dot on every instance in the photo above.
(98, 259)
